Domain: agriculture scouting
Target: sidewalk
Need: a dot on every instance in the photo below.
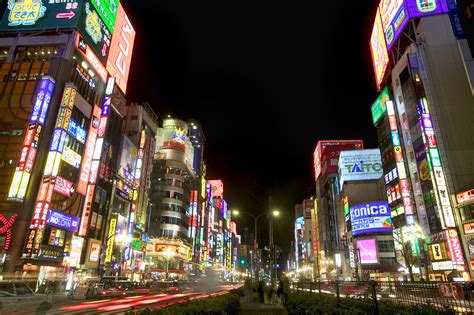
(257, 308)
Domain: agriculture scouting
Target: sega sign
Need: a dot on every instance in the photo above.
(62, 220)
(371, 217)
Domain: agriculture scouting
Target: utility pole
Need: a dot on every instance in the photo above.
(272, 251)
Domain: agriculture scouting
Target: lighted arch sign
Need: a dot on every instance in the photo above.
(6, 229)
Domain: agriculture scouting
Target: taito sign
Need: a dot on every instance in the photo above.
(120, 55)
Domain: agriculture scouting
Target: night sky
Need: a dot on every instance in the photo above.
(267, 80)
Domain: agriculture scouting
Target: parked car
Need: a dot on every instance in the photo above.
(163, 287)
(17, 297)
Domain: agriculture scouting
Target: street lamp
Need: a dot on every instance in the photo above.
(122, 239)
(168, 256)
(236, 212)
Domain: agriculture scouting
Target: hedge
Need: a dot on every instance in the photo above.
(219, 305)
(303, 303)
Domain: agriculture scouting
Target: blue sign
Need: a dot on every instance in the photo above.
(76, 130)
(62, 220)
(371, 217)
(455, 18)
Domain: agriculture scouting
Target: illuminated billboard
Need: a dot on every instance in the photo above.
(367, 251)
(23, 15)
(91, 57)
(27, 158)
(395, 15)
(420, 8)
(360, 165)
(128, 160)
(89, 151)
(332, 154)
(62, 220)
(95, 32)
(217, 188)
(379, 108)
(121, 49)
(107, 10)
(371, 217)
(378, 50)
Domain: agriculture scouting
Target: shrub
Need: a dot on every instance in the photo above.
(304, 303)
(219, 305)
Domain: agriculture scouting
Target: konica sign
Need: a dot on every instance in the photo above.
(62, 220)
(371, 217)
(360, 165)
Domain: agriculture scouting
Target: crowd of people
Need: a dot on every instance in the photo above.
(266, 292)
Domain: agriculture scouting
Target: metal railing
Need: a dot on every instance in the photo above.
(454, 297)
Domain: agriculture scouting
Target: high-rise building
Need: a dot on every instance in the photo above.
(326, 159)
(175, 194)
(423, 119)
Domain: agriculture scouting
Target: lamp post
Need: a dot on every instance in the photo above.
(121, 239)
(255, 218)
(168, 256)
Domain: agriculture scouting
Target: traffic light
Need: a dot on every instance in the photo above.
(243, 261)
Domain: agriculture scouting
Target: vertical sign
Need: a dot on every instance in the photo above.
(120, 55)
(83, 187)
(25, 163)
(378, 50)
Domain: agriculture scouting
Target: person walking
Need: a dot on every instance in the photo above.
(261, 290)
(280, 291)
(285, 290)
(248, 290)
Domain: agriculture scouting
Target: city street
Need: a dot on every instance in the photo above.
(222, 157)
(119, 305)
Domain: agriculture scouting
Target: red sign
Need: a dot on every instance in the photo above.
(87, 53)
(120, 55)
(454, 247)
(323, 144)
(86, 211)
(6, 229)
(450, 291)
(64, 187)
(89, 151)
(469, 228)
(330, 156)
(465, 196)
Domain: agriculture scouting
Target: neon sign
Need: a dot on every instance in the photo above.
(64, 187)
(379, 50)
(91, 57)
(76, 130)
(26, 162)
(25, 12)
(6, 229)
(179, 135)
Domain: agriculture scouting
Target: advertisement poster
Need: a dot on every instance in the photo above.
(379, 51)
(128, 160)
(24, 15)
(367, 251)
(371, 217)
(360, 165)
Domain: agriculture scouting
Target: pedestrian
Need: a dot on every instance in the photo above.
(286, 289)
(261, 290)
(248, 290)
(280, 290)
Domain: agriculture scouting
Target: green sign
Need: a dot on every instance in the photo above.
(435, 158)
(380, 106)
(107, 10)
(24, 15)
(137, 245)
(95, 32)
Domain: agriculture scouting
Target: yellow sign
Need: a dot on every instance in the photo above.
(111, 238)
(25, 12)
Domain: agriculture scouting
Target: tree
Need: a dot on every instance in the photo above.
(406, 252)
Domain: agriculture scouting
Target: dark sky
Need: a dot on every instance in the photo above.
(266, 79)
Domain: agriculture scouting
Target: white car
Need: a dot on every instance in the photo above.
(17, 297)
